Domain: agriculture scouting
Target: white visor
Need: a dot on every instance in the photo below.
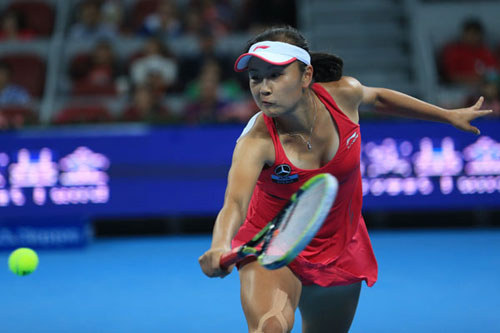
(276, 53)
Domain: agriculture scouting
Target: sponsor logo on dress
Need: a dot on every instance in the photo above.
(351, 139)
(283, 175)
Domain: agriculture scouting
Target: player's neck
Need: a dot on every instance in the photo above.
(299, 119)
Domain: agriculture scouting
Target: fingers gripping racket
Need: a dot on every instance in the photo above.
(282, 239)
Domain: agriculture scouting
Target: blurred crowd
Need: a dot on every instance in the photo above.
(149, 78)
(470, 62)
(154, 75)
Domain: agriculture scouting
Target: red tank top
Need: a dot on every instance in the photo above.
(342, 227)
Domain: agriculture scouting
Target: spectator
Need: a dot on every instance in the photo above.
(16, 117)
(497, 52)
(227, 89)
(112, 14)
(145, 107)
(468, 59)
(490, 90)
(215, 101)
(96, 73)
(12, 27)
(191, 65)
(90, 24)
(192, 24)
(208, 107)
(256, 15)
(217, 16)
(15, 112)
(10, 93)
(164, 23)
(4, 121)
(155, 67)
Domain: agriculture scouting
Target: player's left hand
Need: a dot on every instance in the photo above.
(461, 118)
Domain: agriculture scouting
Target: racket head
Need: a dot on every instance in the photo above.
(299, 221)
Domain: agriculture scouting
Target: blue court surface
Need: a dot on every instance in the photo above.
(429, 281)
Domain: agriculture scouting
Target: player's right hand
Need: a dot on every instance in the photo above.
(210, 263)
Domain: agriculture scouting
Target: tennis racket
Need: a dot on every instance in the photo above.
(282, 239)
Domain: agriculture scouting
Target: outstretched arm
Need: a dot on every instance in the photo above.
(248, 160)
(397, 103)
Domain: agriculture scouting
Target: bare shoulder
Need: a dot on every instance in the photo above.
(257, 141)
(256, 129)
(348, 94)
(348, 90)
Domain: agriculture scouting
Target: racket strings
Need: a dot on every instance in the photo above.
(297, 223)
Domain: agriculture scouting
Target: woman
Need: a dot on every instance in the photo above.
(308, 124)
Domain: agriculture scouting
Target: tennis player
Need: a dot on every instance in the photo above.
(308, 124)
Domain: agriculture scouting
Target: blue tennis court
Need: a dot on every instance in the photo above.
(429, 281)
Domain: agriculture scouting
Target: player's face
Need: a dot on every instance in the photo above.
(276, 89)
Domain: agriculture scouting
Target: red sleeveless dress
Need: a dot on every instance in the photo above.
(341, 252)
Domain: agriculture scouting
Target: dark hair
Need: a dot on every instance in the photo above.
(327, 67)
(5, 67)
(473, 24)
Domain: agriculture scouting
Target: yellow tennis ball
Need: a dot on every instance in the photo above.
(23, 261)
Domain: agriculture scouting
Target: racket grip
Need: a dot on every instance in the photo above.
(229, 258)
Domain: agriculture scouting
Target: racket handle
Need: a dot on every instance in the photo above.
(229, 258)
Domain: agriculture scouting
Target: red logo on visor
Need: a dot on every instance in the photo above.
(261, 47)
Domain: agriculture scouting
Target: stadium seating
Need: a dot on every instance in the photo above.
(28, 70)
(83, 114)
(17, 116)
(140, 10)
(39, 15)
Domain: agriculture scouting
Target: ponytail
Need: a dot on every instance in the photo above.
(327, 67)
